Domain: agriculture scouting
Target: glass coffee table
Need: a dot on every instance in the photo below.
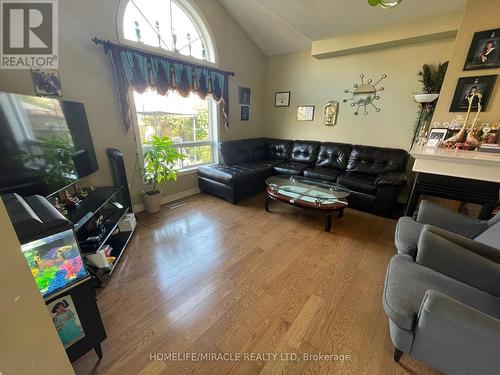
(323, 196)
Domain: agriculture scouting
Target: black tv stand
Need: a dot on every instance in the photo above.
(109, 203)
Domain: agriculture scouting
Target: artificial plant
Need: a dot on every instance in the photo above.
(432, 81)
(159, 162)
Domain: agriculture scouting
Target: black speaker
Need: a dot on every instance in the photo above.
(119, 175)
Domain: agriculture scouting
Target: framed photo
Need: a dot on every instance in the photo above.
(46, 82)
(244, 95)
(245, 113)
(484, 50)
(467, 86)
(305, 113)
(436, 136)
(282, 99)
(66, 320)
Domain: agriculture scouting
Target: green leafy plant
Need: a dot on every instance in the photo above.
(433, 80)
(159, 162)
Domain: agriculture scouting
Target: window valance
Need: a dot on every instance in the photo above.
(140, 70)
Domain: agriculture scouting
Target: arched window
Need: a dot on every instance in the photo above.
(175, 29)
(171, 26)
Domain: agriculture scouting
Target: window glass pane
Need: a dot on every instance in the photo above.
(183, 120)
(167, 19)
(195, 156)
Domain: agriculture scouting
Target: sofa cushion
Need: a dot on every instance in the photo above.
(321, 173)
(333, 155)
(361, 182)
(406, 283)
(258, 149)
(234, 174)
(279, 149)
(304, 151)
(376, 160)
(290, 167)
(407, 235)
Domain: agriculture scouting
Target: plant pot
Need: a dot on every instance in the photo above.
(425, 98)
(152, 201)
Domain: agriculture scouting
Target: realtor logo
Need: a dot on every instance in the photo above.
(29, 34)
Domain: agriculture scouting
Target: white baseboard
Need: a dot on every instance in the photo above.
(169, 198)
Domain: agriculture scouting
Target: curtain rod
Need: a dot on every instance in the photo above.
(107, 45)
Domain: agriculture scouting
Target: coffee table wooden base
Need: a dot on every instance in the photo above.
(327, 210)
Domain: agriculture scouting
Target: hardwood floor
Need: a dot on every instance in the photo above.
(211, 277)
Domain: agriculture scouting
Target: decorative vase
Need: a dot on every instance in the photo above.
(152, 201)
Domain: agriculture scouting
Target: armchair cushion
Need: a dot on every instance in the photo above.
(407, 282)
(455, 338)
(491, 236)
(438, 216)
(485, 250)
(460, 263)
(391, 179)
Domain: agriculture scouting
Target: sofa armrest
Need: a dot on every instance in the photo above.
(434, 214)
(456, 338)
(391, 178)
(458, 262)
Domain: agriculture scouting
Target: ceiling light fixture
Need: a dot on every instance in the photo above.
(386, 4)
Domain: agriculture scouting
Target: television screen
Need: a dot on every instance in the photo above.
(45, 144)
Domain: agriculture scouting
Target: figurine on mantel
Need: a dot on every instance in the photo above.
(465, 139)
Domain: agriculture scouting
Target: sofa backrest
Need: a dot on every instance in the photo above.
(279, 149)
(376, 160)
(333, 155)
(242, 151)
(304, 151)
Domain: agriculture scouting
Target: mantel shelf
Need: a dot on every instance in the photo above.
(475, 165)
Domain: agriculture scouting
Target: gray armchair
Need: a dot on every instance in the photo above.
(444, 306)
(408, 229)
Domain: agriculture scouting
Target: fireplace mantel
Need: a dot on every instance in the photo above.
(474, 165)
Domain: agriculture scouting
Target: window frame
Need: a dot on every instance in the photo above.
(201, 25)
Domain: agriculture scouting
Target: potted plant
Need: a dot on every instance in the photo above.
(159, 162)
(432, 81)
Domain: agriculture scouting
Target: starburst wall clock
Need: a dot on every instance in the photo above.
(364, 94)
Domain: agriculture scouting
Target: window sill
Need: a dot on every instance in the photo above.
(187, 171)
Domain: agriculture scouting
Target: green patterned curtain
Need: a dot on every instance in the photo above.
(140, 70)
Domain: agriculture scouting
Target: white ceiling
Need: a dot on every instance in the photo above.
(280, 26)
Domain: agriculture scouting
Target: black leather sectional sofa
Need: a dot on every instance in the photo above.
(374, 175)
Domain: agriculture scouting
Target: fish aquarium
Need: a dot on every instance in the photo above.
(55, 261)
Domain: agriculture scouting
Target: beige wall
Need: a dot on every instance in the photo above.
(479, 15)
(315, 82)
(86, 76)
(29, 343)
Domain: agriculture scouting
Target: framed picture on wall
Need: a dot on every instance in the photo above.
(244, 95)
(282, 99)
(484, 50)
(467, 86)
(305, 113)
(245, 113)
(46, 82)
